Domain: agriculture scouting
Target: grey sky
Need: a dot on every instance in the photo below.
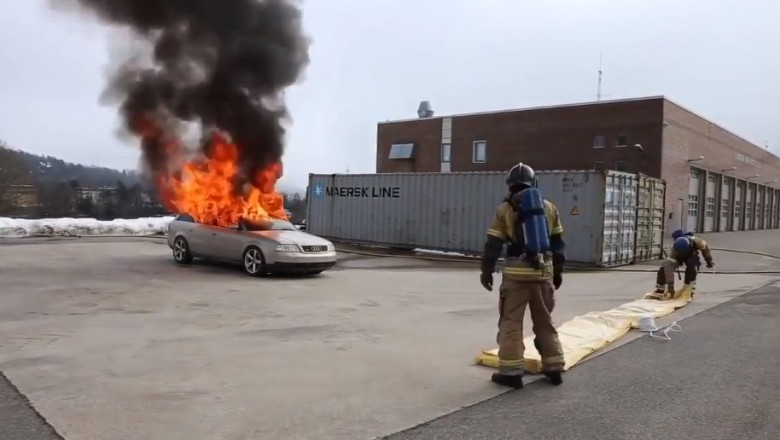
(375, 60)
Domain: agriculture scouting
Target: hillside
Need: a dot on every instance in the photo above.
(55, 184)
(48, 169)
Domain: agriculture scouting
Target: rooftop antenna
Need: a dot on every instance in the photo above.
(598, 90)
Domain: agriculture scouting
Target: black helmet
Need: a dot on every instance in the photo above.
(520, 176)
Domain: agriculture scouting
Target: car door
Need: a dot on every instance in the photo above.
(231, 244)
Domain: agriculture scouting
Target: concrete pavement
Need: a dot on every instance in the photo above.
(110, 339)
(716, 380)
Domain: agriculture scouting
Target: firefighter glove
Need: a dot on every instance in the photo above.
(710, 264)
(557, 280)
(486, 278)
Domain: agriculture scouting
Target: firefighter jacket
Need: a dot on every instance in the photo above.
(677, 259)
(502, 227)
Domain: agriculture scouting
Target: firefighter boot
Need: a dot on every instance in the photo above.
(555, 377)
(658, 293)
(692, 287)
(513, 381)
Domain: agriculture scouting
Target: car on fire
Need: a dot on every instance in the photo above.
(260, 247)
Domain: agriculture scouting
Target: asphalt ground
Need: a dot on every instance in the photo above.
(717, 379)
(58, 374)
(18, 419)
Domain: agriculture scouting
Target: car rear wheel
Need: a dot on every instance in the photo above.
(254, 262)
(181, 251)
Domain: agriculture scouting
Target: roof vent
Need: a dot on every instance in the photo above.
(425, 110)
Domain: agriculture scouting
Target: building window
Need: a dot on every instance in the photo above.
(599, 141)
(737, 208)
(693, 205)
(479, 152)
(621, 165)
(599, 165)
(622, 141)
(711, 178)
(401, 151)
(446, 150)
(724, 208)
(709, 208)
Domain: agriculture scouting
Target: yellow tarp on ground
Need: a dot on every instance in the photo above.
(588, 333)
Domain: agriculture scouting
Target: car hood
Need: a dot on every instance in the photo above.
(293, 237)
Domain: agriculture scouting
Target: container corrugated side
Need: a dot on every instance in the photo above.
(449, 211)
(651, 194)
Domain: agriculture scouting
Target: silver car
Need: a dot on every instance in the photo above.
(270, 246)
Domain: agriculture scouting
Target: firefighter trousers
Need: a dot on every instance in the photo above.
(514, 297)
(691, 270)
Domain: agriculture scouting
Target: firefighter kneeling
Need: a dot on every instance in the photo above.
(531, 227)
(685, 250)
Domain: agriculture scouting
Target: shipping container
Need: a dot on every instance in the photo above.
(452, 211)
(446, 211)
(598, 211)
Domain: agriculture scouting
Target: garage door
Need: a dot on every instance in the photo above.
(694, 183)
(709, 203)
(737, 223)
(750, 216)
(777, 209)
(767, 208)
(759, 207)
(725, 205)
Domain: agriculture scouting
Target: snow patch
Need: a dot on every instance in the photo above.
(435, 252)
(69, 227)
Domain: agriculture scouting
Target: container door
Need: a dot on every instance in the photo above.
(709, 203)
(725, 205)
(650, 219)
(694, 184)
(619, 219)
(737, 223)
(750, 216)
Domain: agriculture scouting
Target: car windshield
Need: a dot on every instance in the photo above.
(267, 225)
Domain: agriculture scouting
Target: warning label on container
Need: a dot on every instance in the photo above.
(575, 211)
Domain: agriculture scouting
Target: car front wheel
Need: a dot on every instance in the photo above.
(181, 251)
(254, 261)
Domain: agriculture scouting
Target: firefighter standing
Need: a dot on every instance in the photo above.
(686, 250)
(523, 284)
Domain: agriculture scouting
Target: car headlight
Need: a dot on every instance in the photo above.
(286, 248)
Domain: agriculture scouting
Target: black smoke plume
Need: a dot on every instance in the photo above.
(221, 64)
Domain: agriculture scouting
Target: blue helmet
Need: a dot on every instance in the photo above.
(682, 244)
(677, 234)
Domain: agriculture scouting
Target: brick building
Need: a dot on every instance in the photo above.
(716, 181)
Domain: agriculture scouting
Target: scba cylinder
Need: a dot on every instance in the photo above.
(535, 231)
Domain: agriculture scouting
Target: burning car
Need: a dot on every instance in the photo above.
(259, 246)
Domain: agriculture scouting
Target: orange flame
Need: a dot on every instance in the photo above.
(206, 188)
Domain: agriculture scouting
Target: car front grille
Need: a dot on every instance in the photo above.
(315, 248)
